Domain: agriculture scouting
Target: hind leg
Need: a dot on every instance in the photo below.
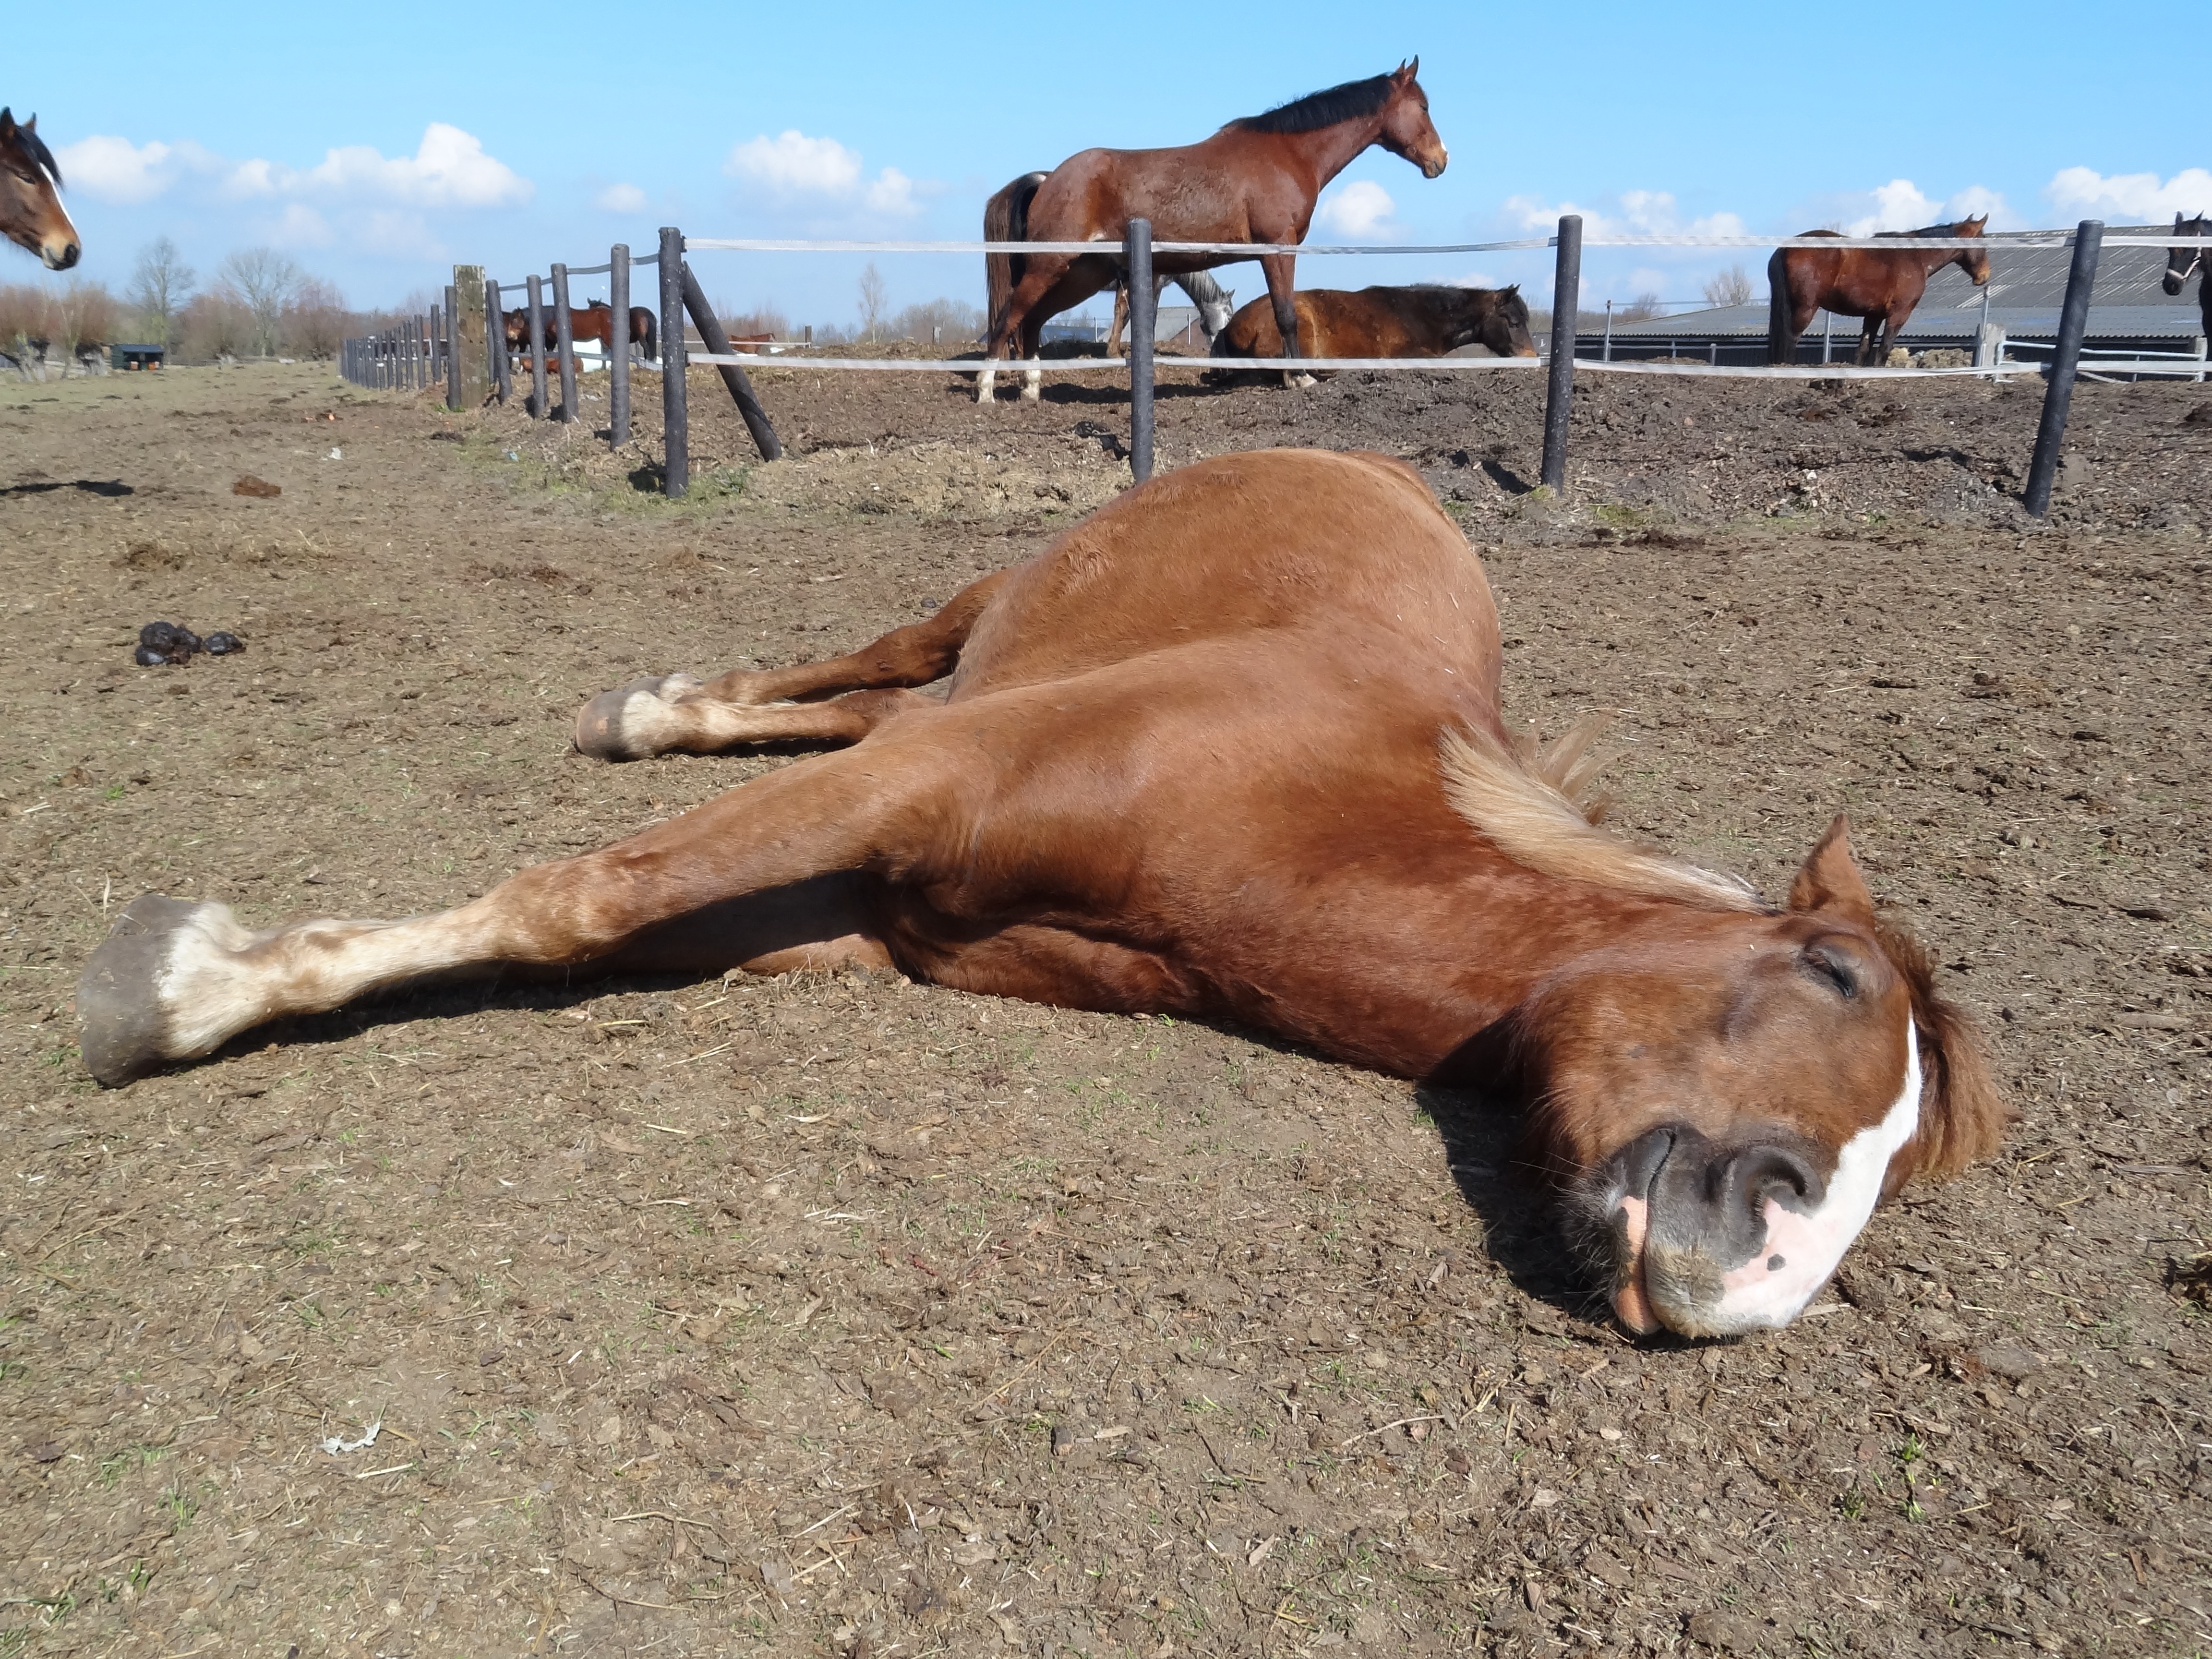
(654, 716)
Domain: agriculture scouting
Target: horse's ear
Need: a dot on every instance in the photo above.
(8, 127)
(1406, 72)
(1830, 880)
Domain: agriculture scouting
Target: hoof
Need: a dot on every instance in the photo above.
(119, 999)
(620, 725)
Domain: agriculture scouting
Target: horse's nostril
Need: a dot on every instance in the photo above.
(1758, 1173)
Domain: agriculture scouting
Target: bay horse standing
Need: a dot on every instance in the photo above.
(1233, 748)
(2183, 262)
(1256, 181)
(31, 212)
(1424, 319)
(596, 322)
(1882, 285)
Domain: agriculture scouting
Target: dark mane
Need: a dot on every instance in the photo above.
(1951, 229)
(1322, 109)
(35, 148)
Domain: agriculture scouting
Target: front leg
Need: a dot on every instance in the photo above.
(1281, 271)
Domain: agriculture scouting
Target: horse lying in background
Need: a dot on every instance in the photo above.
(2183, 262)
(31, 212)
(1256, 181)
(1214, 304)
(1881, 285)
(1233, 748)
(1426, 319)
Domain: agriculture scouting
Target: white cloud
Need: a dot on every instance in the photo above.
(792, 167)
(1362, 210)
(2085, 193)
(620, 198)
(449, 168)
(792, 164)
(1636, 213)
(302, 226)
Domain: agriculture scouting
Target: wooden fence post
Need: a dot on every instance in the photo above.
(741, 388)
(1566, 315)
(675, 434)
(564, 342)
(536, 348)
(2058, 397)
(1137, 262)
(619, 365)
(467, 359)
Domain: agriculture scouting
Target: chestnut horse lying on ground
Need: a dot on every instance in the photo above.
(1256, 181)
(1231, 748)
(31, 212)
(1426, 320)
(1879, 284)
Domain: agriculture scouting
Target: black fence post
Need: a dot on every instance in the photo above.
(565, 341)
(676, 432)
(1137, 260)
(2058, 397)
(741, 387)
(618, 363)
(536, 348)
(1566, 313)
(502, 374)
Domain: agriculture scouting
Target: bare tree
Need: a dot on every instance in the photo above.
(315, 321)
(84, 314)
(1731, 286)
(161, 283)
(1642, 309)
(263, 281)
(946, 322)
(875, 299)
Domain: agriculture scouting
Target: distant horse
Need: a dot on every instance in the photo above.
(596, 322)
(1879, 284)
(1425, 320)
(1214, 304)
(2183, 262)
(1256, 181)
(31, 213)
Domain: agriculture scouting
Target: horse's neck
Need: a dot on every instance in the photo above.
(1329, 150)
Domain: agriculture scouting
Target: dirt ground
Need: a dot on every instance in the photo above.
(844, 1315)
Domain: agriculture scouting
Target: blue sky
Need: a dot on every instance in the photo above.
(302, 127)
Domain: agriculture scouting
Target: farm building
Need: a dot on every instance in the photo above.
(1174, 326)
(137, 356)
(2130, 315)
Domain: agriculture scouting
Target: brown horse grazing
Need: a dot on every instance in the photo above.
(1425, 320)
(1232, 747)
(31, 212)
(2183, 262)
(1256, 181)
(596, 322)
(1879, 284)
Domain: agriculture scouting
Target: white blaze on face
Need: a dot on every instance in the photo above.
(1803, 1248)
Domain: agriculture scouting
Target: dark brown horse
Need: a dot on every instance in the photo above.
(31, 212)
(596, 322)
(2183, 262)
(1256, 181)
(1879, 284)
(1233, 748)
(1424, 320)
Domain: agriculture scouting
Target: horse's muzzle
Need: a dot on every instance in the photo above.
(60, 253)
(2173, 283)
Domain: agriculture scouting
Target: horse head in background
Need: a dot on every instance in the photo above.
(1881, 285)
(2183, 262)
(31, 212)
(1256, 181)
(1215, 303)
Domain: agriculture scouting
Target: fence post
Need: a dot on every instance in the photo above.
(1566, 314)
(2072, 322)
(619, 365)
(536, 347)
(676, 432)
(741, 387)
(564, 342)
(1137, 260)
(502, 374)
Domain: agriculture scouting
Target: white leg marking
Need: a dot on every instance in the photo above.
(1810, 1245)
(1033, 384)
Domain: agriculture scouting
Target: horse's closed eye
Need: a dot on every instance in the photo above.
(1826, 963)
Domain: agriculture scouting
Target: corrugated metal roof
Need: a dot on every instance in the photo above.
(2027, 286)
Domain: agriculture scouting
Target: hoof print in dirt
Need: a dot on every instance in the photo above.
(119, 999)
(162, 642)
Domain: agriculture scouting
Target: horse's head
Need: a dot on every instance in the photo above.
(518, 328)
(1494, 317)
(2183, 262)
(1973, 260)
(1727, 1103)
(1407, 129)
(31, 212)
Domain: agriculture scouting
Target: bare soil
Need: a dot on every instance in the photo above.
(847, 1316)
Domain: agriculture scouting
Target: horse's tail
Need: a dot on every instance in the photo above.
(1781, 342)
(1006, 219)
(643, 321)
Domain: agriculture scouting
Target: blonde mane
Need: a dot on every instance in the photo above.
(1536, 803)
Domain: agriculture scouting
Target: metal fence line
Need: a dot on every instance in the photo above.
(2055, 239)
